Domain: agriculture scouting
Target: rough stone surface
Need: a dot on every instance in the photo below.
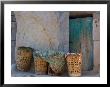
(96, 40)
(13, 19)
(13, 37)
(13, 43)
(96, 26)
(13, 30)
(43, 30)
(97, 55)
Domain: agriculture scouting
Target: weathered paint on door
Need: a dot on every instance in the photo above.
(81, 39)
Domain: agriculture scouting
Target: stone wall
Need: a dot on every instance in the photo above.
(96, 40)
(13, 36)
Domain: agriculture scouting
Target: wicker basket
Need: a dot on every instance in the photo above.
(24, 57)
(41, 66)
(74, 63)
(56, 64)
(53, 73)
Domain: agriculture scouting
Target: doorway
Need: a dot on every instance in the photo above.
(81, 39)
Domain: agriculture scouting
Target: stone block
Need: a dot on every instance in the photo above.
(13, 19)
(96, 53)
(13, 43)
(13, 30)
(96, 26)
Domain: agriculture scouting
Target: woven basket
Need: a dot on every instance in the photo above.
(23, 60)
(74, 63)
(52, 73)
(56, 65)
(41, 66)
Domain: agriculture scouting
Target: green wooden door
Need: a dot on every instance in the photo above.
(81, 39)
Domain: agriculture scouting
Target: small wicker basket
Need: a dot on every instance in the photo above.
(74, 63)
(41, 66)
(23, 60)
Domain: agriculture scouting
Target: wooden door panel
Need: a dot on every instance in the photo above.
(81, 39)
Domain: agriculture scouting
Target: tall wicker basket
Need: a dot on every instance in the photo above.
(24, 57)
(74, 64)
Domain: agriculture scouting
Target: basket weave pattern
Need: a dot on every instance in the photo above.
(23, 60)
(56, 66)
(52, 73)
(41, 65)
(74, 62)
